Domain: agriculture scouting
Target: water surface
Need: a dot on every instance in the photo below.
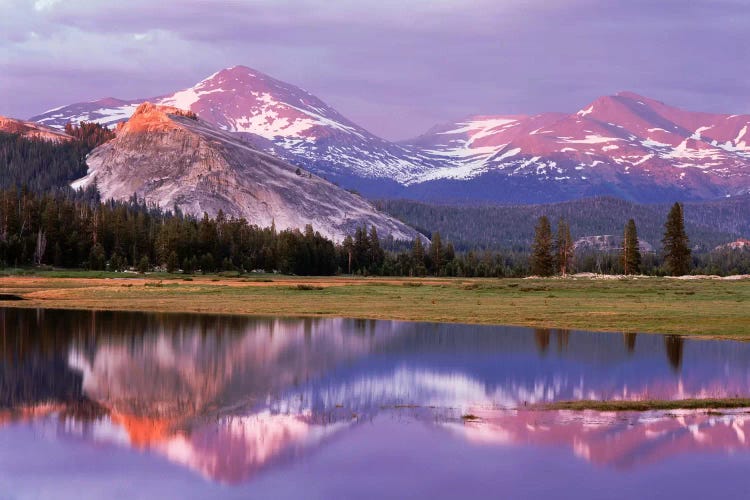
(105, 404)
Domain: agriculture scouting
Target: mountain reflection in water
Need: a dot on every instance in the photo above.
(230, 396)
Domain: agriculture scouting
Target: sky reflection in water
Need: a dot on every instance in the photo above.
(217, 406)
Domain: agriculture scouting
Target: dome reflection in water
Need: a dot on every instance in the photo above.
(243, 402)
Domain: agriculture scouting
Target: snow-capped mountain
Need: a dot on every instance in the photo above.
(623, 145)
(276, 117)
(170, 157)
(108, 111)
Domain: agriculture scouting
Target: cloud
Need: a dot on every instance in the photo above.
(396, 67)
(41, 5)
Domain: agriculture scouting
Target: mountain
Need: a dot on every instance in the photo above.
(623, 145)
(278, 118)
(169, 157)
(32, 131)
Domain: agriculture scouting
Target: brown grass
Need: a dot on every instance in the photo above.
(695, 307)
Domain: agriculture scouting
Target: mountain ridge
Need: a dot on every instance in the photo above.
(32, 130)
(625, 145)
(169, 157)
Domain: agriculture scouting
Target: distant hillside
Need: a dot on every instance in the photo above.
(708, 224)
(40, 160)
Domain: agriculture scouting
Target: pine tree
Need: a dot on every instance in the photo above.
(436, 253)
(563, 248)
(675, 242)
(144, 265)
(173, 262)
(361, 249)
(631, 253)
(348, 247)
(377, 255)
(542, 262)
(97, 259)
(417, 257)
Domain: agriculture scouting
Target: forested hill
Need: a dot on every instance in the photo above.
(42, 166)
(496, 227)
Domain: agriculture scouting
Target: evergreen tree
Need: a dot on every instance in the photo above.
(97, 259)
(116, 262)
(563, 248)
(542, 262)
(348, 252)
(437, 253)
(377, 255)
(207, 263)
(144, 264)
(676, 250)
(361, 249)
(631, 252)
(417, 258)
(173, 262)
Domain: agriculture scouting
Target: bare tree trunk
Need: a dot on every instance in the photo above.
(41, 246)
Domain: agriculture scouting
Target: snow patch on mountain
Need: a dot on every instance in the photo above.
(626, 134)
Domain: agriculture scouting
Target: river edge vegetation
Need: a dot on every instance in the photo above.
(686, 307)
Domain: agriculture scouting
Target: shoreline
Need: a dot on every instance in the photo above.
(708, 308)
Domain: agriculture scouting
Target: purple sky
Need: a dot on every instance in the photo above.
(395, 67)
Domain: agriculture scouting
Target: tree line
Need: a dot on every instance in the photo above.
(507, 227)
(73, 231)
(43, 166)
(62, 230)
(550, 256)
(44, 222)
(76, 230)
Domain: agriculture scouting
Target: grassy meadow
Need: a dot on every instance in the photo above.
(702, 307)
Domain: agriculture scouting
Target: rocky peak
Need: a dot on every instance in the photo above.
(149, 117)
(169, 157)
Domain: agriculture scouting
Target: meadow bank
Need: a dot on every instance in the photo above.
(714, 308)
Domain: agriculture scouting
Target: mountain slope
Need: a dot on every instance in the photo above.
(623, 145)
(276, 117)
(170, 158)
(32, 131)
(505, 227)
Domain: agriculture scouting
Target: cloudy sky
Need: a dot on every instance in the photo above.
(394, 66)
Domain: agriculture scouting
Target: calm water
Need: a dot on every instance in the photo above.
(131, 405)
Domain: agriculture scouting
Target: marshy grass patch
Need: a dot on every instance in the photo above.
(307, 287)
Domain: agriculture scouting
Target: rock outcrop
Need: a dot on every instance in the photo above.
(171, 158)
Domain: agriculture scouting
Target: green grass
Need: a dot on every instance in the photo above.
(709, 308)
